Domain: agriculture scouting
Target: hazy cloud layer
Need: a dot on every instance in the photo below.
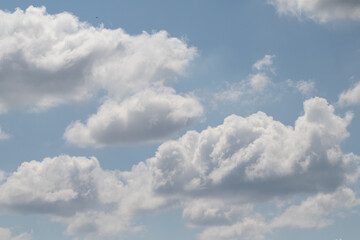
(49, 59)
(5, 234)
(319, 10)
(351, 96)
(146, 116)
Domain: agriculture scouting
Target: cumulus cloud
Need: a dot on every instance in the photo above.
(220, 172)
(216, 175)
(149, 115)
(239, 156)
(73, 190)
(322, 11)
(58, 186)
(5, 234)
(351, 96)
(46, 60)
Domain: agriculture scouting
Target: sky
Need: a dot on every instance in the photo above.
(198, 120)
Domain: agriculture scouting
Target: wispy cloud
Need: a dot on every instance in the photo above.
(322, 11)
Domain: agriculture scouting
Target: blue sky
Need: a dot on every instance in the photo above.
(179, 120)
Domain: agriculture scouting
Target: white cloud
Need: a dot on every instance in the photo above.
(46, 60)
(3, 135)
(351, 96)
(306, 88)
(5, 234)
(214, 212)
(317, 211)
(218, 172)
(93, 225)
(259, 81)
(254, 84)
(249, 229)
(59, 186)
(265, 63)
(322, 11)
(216, 175)
(73, 190)
(238, 157)
(147, 116)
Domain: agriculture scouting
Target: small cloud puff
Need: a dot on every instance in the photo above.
(350, 96)
(150, 115)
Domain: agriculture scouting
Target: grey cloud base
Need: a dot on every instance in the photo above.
(228, 169)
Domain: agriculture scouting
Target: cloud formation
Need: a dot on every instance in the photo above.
(46, 60)
(306, 88)
(3, 135)
(317, 211)
(217, 176)
(351, 96)
(5, 234)
(255, 83)
(150, 115)
(322, 11)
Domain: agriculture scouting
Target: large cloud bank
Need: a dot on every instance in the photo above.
(217, 176)
(319, 10)
(47, 60)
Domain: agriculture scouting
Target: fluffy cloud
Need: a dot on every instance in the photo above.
(58, 186)
(49, 59)
(46, 60)
(318, 211)
(216, 175)
(319, 10)
(147, 116)
(73, 190)
(5, 234)
(239, 157)
(351, 96)
(218, 172)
